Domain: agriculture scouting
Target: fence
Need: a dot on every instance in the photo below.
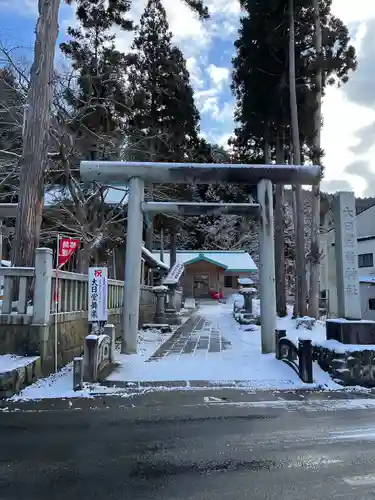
(28, 309)
(72, 292)
(35, 290)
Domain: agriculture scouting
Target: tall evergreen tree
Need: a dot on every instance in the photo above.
(98, 100)
(164, 122)
(260, 77)
(260, 71)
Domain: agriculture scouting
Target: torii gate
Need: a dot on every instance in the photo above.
(136, 174)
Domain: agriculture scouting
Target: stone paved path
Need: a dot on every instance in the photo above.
(197, 334)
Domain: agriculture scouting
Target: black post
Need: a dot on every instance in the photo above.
(279, 334)
(173, 249)
(305, 359)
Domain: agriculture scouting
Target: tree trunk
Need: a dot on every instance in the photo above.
(149, 243)
(279, 238)
(162, 244)
(315, 191)
(84, 258)
(296, 297)
(36, 136)
(300, 237)
(37, 118)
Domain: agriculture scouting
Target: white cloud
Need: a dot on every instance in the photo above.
(219, 75)
(209, 103)
(342, 118)
(222, 139)
(224, 114)
(189, 33)
(202, 96)
(214, 137)
(353, 12)
(195, 71)
(224, 7)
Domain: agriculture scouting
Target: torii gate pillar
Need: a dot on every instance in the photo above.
(130, 318)
(267, 287)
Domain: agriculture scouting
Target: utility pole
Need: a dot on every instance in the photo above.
(37, 119)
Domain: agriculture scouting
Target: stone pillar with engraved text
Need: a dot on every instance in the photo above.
(347, 279)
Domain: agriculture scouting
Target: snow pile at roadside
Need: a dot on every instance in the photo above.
(317, 334)
(9, 362)
(60, 385)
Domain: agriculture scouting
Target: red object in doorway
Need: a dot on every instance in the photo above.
(216, 295)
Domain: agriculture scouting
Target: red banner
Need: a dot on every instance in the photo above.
(67, 248)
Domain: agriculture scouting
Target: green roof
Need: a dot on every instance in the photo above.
(207, 259)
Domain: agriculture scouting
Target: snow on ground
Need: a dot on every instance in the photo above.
(60, 385)
(317, 334)
(242, 362)
(148, 342)
(10, 362)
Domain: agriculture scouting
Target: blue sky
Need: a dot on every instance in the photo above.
(17, 25)
(208, 48)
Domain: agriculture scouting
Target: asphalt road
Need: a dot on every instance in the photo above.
(185, 446)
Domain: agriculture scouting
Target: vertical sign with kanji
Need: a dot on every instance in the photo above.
(98, 294)
(347, 279)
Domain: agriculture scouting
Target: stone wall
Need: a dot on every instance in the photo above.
(349, 367)
(19, 336)
(15, 333)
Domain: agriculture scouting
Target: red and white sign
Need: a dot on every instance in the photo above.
(98, 294)
(67, 247)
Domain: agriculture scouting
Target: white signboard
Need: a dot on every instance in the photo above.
(174, 274)
(98, 294)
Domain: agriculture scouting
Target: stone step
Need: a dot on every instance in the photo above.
(164, 327)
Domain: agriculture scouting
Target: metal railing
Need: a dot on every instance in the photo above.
(299, 358)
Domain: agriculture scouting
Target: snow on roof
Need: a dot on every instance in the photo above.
(230, 260)
(367, 279)
(245, 281)
(155, 257)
